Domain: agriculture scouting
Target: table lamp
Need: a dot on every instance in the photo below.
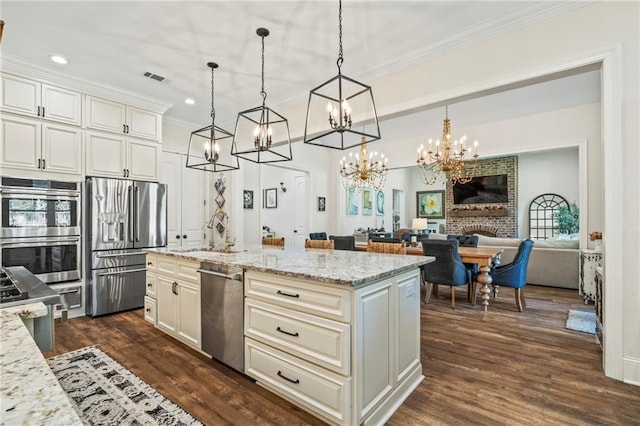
(419, 224)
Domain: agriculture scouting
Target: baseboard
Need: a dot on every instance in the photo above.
(631, 370)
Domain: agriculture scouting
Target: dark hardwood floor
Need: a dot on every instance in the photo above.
(500, 367)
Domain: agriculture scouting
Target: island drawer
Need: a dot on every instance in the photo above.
(316, 389)
(184, 269)
(318, 340)
(150, 312)
(151, 284)
(152, 262)
(300, 295)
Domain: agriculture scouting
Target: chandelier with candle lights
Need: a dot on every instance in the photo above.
(210, 156)
(262, 135)
(448, 157)
(363, 169)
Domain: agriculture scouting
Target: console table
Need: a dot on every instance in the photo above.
(589, 259)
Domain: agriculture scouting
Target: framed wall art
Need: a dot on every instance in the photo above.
(271, 198)
(367, 201)
(352, 203)
(379, 203)
(247, 199)
(322, 204)
(430, 204)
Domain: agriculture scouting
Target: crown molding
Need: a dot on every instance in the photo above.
(15, 65)
(526, 16)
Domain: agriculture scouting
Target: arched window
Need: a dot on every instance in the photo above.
(542, 224)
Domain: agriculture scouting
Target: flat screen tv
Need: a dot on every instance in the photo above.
(482, 189)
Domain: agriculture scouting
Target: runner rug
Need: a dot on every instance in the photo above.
(584, 321)
(105, 393)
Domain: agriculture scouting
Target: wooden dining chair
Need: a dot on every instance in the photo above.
(273, 241)
(319, 244)
(389, 248)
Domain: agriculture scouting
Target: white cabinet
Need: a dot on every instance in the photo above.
(349, 356)
(175, 283)
(185, 202)
(109, 116)
(32, 145)
(29, 97)
(111, 155)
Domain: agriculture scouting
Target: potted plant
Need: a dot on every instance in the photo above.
(568, 219)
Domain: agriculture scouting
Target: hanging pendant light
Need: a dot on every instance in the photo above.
(206, 150)
(262, 135)
(337, 105)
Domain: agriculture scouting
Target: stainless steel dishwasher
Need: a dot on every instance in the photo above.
(222, 309)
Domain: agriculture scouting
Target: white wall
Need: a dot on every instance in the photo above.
(548, 172)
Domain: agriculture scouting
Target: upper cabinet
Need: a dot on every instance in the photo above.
(110, 155)
(29, 97)
(29, 146)
(110, 116)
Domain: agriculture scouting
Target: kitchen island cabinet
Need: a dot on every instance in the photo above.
(336, 333)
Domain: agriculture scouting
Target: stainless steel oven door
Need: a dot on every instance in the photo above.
(39, 213)
(52, 260)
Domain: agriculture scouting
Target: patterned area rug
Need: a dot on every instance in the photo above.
(105, 393)
(581, 321)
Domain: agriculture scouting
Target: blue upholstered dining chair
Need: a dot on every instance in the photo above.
(447, 269)
(467, 241)
(347, 242)
(513, 274)
(318, 236)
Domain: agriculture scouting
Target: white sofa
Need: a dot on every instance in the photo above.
(553, 263)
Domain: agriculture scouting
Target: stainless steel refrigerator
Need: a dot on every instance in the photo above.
(124, 216)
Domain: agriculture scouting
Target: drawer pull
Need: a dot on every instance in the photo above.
(286, 332)
(295, 382)
(148, 309)
(282, 293)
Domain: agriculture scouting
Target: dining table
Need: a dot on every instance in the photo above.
(484, 257)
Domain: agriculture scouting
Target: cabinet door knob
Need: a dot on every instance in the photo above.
(149, 285)
(178, 237)
(148, 309)
(184, 236)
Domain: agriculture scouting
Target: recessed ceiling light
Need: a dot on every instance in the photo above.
(189, 101)
(59, 59)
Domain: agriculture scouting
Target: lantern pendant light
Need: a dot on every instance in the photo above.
(206, 151)
(262, 135)
(337, 105)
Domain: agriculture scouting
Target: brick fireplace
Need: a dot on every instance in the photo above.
(499, 220)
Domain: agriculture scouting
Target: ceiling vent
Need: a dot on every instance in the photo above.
(154, 76)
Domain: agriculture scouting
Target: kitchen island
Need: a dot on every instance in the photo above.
(335, 332)
(30, 393)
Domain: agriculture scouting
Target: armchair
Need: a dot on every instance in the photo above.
(513, 274)
(447, 269)
(318, 236)
(347, 242)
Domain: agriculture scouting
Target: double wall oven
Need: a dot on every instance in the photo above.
(41, 227)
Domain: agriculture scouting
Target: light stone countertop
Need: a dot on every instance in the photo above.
(349, 268)
(30, 394)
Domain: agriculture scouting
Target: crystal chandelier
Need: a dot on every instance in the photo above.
(209, 156)
(332, 105)
(257, 127)
(449, 156)
(363, 169)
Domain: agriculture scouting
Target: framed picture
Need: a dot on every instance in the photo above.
(322, 204)
(430, 204)
(271, 198)
(352, 203)
(247, 199)
(380, 203)
(367, 202)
